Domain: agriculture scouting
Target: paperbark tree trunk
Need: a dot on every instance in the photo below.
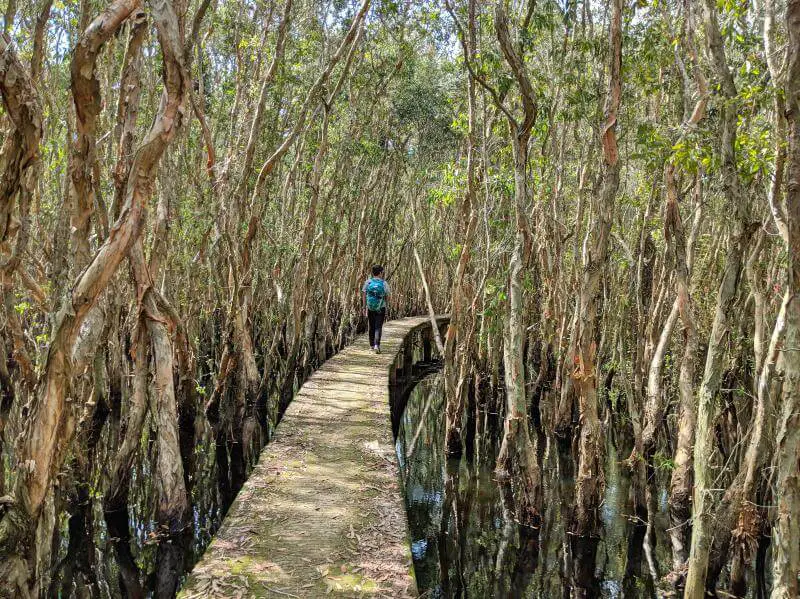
(172, 508)
(589, 476)
(786, 532)
(681, 478)
(19, 157)
(116, 494)
(37, 57)
(739, 205)
(88, 104)
(44, 433)
(19, 164)
(517, 465)
(457, 365)
(748, 490)
(682, 251)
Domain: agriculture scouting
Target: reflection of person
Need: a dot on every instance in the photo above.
(376, 292)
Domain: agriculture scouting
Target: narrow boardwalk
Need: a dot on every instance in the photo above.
(322, 513)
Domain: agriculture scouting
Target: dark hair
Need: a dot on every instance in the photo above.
(377, 270)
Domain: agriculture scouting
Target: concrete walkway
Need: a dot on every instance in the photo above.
(322, 513)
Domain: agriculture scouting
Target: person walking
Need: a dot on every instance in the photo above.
(376, 293)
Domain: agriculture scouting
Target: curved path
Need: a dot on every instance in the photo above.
(322, 513)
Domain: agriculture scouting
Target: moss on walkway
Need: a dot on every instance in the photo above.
(322, 513)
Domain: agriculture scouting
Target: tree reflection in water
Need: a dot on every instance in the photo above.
(466, 544)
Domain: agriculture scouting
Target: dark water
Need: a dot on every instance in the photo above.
(466, 544)
(106, 566)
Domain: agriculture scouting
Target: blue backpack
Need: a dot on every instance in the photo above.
(376, 295)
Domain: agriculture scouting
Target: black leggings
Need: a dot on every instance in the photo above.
(375, 326)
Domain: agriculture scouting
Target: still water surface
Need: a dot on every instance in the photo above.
(465, 544)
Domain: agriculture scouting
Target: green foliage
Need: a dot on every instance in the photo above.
(651, 144)
(663, 462)
(495, 298)
(421, 104)
(694, 157)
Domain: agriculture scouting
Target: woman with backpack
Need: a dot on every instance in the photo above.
(376, 292)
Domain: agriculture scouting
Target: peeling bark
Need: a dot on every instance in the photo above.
(739, 205)
(457, 364)
(681, 479)
(47, 414)
(786, 532)
(517, 465)
(88, 104)
(589, 476)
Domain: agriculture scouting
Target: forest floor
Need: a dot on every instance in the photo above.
(322, 513)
